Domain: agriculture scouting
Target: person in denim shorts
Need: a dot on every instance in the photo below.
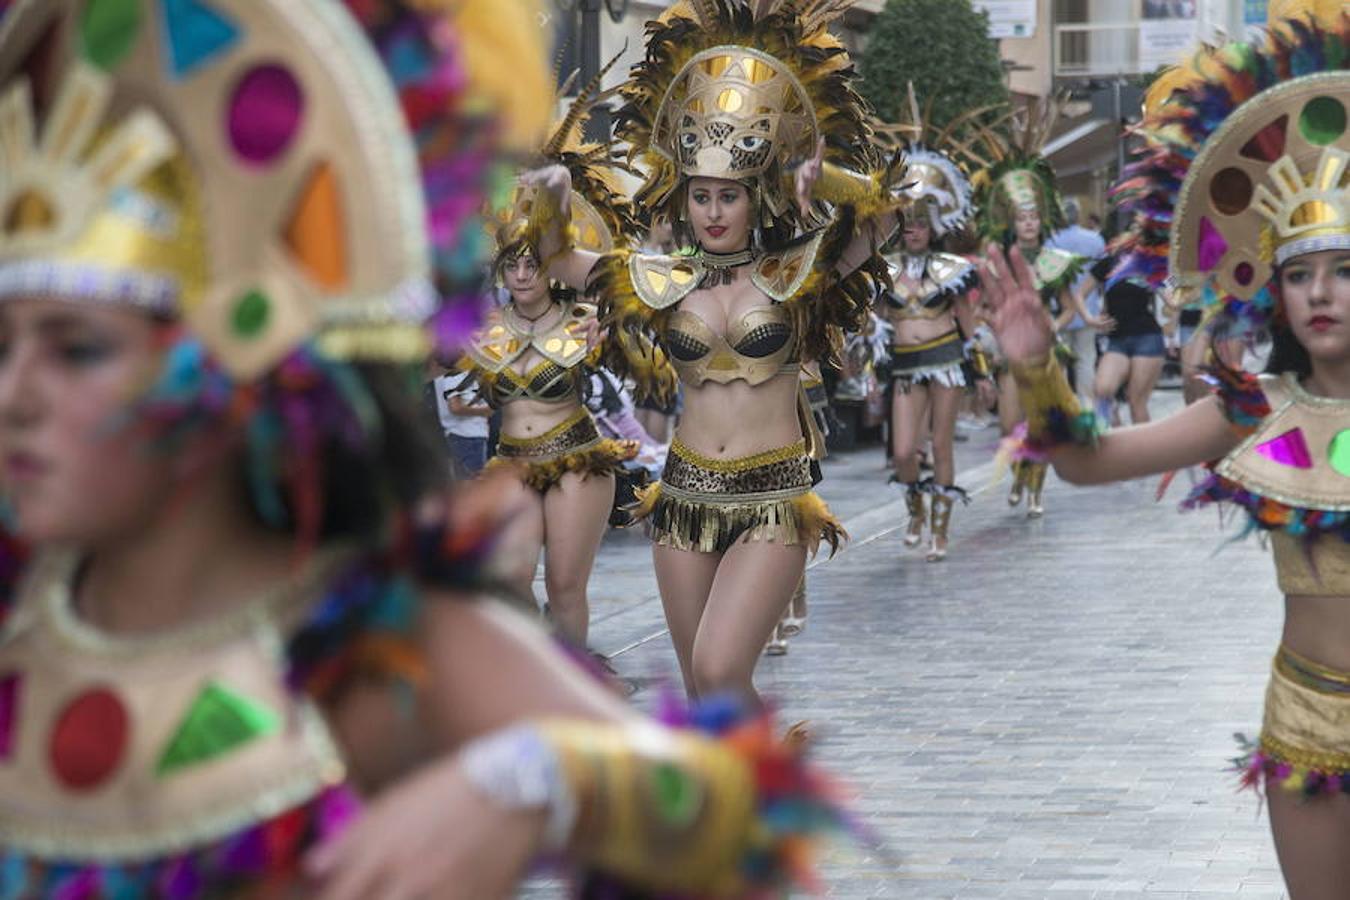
(1134, 348)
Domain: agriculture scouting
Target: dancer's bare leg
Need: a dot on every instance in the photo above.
(576, 514)
(685, 578)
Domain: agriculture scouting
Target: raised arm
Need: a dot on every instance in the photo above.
(552, 215)
(1056, 424)
(871, 204)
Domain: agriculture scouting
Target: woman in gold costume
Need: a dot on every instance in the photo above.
(1242, 192)
(1019, 205)
(729, 95)
(245, 646)
(932, 324)
(530, 360)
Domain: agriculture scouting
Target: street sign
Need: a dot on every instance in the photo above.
(1009, 18)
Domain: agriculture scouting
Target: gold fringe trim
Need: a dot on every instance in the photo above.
(714, 527)
(603, 458)
(1326, 763)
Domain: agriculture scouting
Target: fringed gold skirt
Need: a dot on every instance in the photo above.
(707, 504)
(571, 446)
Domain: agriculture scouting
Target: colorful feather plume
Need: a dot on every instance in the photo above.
(1197, 98)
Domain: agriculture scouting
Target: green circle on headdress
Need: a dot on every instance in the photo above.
(1338, 452)
(251, 313)
(1322, 120)
(108, 30)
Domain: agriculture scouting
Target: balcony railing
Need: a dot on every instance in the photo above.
(1097, 49)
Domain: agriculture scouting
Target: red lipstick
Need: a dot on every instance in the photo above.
(21, 467)
(717, 230)
(1322, 323)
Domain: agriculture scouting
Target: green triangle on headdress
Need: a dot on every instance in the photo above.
(218, 721)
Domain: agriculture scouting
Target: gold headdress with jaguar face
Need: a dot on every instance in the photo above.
(741, 90)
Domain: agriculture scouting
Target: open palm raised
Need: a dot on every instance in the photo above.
(1020, 321)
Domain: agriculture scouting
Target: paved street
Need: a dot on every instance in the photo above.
(1047, 714)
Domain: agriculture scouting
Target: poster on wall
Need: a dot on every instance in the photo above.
(1168, 30)
(1009, 18)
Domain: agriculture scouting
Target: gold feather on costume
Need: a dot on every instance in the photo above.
(506, 61)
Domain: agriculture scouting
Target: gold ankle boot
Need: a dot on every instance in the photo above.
(1035, 484)
(942, 520)
(1019, 477)
(914, 500)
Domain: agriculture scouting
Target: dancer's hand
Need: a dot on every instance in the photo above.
(554, 179)
(433, 835)
(1017, 316)
(806, 176)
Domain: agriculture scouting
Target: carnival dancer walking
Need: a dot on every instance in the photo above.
(1019, 205)
(1242, 191)
(931, 330)
(246, 654)
(531, 360)
(729, 94)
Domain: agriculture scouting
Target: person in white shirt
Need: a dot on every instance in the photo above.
(464, 422)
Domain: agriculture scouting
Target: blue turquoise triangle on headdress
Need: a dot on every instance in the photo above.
(197, 33)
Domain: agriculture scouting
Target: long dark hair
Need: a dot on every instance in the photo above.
(1286, 353)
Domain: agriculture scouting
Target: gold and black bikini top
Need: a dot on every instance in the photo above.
(938, 279)
(506, 338)
(758, 346)
(755, 348)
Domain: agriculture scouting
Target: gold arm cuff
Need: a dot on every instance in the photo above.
(979, 362)
(1043, 390)
(866, 193)
(658, 808)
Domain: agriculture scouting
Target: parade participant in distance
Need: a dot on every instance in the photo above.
(531, 360)
(931, 325)
(1019, 205)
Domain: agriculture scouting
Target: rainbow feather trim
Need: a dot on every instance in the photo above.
(1175, 132)
(1256, 769)
(265, 857)
(798, 805)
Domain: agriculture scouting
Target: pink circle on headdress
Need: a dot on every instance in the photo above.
(265, 113)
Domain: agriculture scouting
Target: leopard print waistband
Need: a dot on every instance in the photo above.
(575, 434)
(776, 474)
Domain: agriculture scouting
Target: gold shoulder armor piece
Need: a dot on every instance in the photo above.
(663, 281)
(565, 343)
(1289, 457)
(1052, 265)
(946, 268)
(496, 346)
(782, 274)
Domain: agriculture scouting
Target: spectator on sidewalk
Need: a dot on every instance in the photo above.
(1083, 340)
(464, 422)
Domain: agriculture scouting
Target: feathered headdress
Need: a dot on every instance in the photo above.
(601, 216)
(934, 181)
(1244, 166)
(288, 184)
(1013, 175)
(741, 90)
